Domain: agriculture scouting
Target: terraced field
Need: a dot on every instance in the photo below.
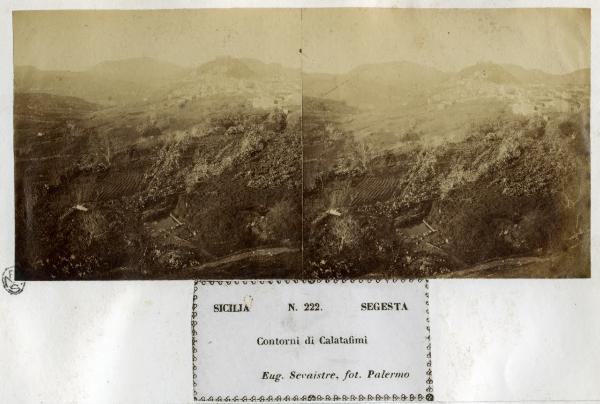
(374, 189)
(119, 184)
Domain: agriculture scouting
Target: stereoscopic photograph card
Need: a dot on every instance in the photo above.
(305, 202)
(339, 144)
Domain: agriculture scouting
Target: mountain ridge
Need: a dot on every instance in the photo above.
(254, 62)
(135, 79)
(132, 79)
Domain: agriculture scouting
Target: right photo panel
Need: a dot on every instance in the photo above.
(446, 143)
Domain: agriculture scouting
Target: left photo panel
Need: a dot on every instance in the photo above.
(162, 144)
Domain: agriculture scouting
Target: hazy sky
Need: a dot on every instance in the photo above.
(333, 40)
(75, 40)
(554, 40)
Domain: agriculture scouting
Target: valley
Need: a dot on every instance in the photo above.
(242, 169)
(414, 172)
(164, 181)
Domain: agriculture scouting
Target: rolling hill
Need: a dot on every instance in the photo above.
(105, 84)
(138, 80)
(374, 83)
(386, 84)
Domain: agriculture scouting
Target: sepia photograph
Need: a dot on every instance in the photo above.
(158, 144)
(302, 143)
(446, 143)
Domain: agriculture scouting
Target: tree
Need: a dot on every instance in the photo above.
(360, 153)
(347, 231)
(279, 220)
(100, 151)
(107, 148)
(364, 154)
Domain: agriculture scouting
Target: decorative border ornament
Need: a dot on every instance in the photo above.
(427, 396)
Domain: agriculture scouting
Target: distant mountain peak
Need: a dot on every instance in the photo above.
(488, 71)
(228, 66)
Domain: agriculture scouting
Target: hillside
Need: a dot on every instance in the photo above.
(404, 83)
(479, 173)
(95, 85)
(374, 84)
(512, 199)
(394, 100)
(211, 171)
(199, 178)
(491, 72)
(142, 80)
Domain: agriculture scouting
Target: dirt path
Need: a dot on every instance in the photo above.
(256, 253)
(519, 267)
